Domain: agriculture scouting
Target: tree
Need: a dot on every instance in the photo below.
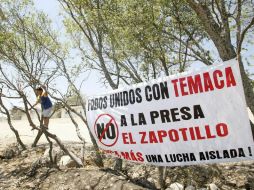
(131, 42)
(4, 110)
(217, 19)
(134, 41)
(28, 60)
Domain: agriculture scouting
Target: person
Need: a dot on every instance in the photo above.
(46, 104)
(46, 107)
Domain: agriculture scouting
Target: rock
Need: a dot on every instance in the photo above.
(88, 187)
(135, 175)
(8, 154)
(176, 186)
(228, 167)
(30, 185)
(67, 162)
(121, 177)
(24, 153)
(213, 187)
(150, 179)
(190, 187)
(77, 174)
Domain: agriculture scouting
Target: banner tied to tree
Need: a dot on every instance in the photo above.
(190, 118)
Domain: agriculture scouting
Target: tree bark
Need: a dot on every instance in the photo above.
(219, 36)
(118, 164)
(44, 131)
(162, 177)
(11, 126)
(221, 39)
(247, 86)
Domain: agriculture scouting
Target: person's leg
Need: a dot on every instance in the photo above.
(46, 122)
(46, 115)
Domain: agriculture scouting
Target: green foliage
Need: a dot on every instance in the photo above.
(138, 40)
(127, 41)
(26, 41)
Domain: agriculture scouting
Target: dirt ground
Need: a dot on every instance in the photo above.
(29, 169)
(22, 171)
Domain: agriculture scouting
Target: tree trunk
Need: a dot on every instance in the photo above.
(252, 129)
(50, 135)
(162, 177)
(37, 138)
(19, 141)
(118, 164)
(247, 86)
(221, 39)
(99, 160)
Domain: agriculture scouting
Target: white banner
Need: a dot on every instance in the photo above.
(184, 119)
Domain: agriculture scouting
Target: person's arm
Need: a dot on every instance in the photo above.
(45, 92)
(37, 102)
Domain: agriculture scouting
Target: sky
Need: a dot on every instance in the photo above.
(52, 8)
